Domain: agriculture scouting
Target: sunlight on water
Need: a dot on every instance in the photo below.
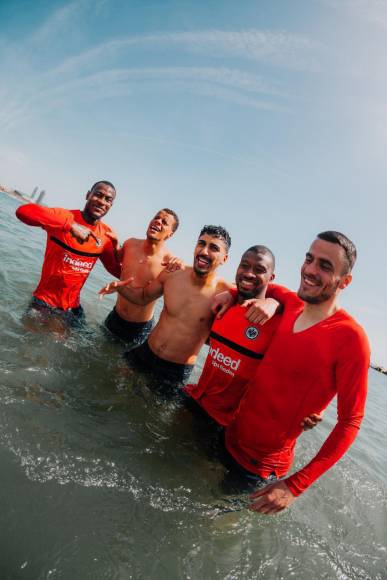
(103, 480)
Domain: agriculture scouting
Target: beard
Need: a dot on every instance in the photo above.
(247, 294)
(325, 295)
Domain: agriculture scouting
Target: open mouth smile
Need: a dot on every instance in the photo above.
(310, 282)
(203, 262)
(246, 284)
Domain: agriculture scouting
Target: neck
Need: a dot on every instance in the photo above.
(205, 280)
(151, 247)
(321, 311)
(88, 218)
(261, 294)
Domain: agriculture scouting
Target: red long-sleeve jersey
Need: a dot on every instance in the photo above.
(67, 263)
(300, 374)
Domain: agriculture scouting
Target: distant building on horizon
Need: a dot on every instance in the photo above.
(41, 197)
(34, 192)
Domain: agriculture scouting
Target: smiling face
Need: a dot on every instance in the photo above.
(161, 227)
(323, 273)
(210, 252)
(254, 273)
(99, 200)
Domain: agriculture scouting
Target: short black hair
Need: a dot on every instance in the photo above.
(217, 232)
(347, 245)
(176, 217)
(108, 183)
(262, 250)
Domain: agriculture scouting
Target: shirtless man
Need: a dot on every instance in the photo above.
(185, 321)
(142, 260)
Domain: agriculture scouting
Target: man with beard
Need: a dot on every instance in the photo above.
(236, 346)
(75, 241)
(185, 321)
(318, 352)
(142, 260)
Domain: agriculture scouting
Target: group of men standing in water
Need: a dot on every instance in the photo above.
(276, 359)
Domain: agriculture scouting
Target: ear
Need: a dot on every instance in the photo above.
(272, 277)
(345, 281)
(88, 194)
(225, 259)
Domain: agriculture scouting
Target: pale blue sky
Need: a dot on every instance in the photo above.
(267, 117)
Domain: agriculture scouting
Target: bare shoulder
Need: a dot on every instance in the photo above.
(131, 245)
(176, 277)
(131, 242)
(222, 285)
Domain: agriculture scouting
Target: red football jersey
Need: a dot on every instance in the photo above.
(236, 349)
(67, 263)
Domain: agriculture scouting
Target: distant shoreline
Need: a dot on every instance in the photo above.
(15, 194)
(378, 368)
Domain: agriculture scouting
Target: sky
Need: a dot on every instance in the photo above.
(268, 117)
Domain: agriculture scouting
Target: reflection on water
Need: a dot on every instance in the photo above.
(100, 479)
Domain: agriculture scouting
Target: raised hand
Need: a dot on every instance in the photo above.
(113, 286)
(172, 264)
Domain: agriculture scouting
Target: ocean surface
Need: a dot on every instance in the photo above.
(101, 480)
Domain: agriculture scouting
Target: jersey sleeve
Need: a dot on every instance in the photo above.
(351, 376)
(45, 217)
(282, 294)
(109, 256)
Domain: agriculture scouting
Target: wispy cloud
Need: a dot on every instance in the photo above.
(266, 47)
(57, 22)
(221, 83)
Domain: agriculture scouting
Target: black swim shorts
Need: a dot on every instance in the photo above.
(72, 316)
(132, 333)
(168, 376)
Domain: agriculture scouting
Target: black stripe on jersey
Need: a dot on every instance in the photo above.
(73, 251)
(237, 347)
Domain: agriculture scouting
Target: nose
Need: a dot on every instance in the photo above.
(310, 268)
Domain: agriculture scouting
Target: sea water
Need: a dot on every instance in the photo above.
(100, 479)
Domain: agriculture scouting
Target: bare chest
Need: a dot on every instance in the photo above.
(141, 267)
(189, 305)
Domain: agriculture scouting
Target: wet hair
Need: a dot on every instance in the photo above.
(108, 183)
(175, 216)
(342, 240)
(263, 251)
(217, 232)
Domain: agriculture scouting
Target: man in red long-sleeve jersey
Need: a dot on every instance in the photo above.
(318, 352)
(75, 241)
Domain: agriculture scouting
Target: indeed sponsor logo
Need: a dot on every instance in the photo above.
(78, 265)
(225, 361)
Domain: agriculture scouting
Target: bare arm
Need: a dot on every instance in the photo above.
(109, 256)
(141, 295)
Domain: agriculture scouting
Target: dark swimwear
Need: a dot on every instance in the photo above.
(168, 376)
(239, 480)
(72, 316)
(132, 333)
